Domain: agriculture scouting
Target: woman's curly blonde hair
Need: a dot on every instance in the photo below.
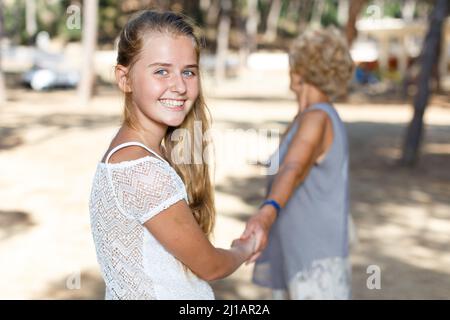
(322, 58)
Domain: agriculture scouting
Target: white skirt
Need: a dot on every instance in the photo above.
(327, 279)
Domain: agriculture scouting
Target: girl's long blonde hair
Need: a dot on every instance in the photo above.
(195, 176)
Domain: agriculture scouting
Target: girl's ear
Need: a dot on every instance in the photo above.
(122, 78)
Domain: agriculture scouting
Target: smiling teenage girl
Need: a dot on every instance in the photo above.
(150, 232)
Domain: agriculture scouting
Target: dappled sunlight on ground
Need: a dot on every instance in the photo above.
(49, 148)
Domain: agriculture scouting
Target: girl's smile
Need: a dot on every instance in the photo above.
(173, 104)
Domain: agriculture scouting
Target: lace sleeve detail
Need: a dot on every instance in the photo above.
(146, 188)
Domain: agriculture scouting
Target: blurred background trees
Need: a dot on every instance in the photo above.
(244, 27)
(264, 21)
(2, 81)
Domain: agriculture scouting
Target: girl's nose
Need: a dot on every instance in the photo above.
(178, 84)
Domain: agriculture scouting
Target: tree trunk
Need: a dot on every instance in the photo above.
(251, 25)
(204, 7)
(243, 48)
(2, 79)
(423, 8)
(342, 12)
(306, 6)
(293, 9)
(31, 24)
(272, 21)
(85, 87)
(408, 8)
(319, 8)
(380, 4)
(428, 59)
(222, 40)
(353, 12)
(213, 13)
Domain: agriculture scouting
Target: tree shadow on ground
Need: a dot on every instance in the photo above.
(386, 195)
(274, 99)
(250, 190)
(11, 136)
(248, 125)
(92, 287)
(89, 286)
(13, 223)
(377, 177)
(399, 279)
(235, 289)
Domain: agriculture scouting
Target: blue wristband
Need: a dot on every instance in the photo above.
(273, 203)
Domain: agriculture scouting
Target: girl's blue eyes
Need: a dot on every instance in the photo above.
(189, 73)
(186, 73)
(161, 72)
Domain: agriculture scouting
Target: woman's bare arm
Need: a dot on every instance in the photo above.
(306, 147)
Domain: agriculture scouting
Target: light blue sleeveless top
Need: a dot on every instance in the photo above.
(309, 240)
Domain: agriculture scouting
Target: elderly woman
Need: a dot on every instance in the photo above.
(301, 228)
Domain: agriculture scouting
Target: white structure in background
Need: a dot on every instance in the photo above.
(364, 50)
(257, 61)
(43, 41)
(395, 37)
(268, 61)
(50, 69)
(51, 64)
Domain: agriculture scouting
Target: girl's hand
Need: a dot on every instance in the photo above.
(245, 246)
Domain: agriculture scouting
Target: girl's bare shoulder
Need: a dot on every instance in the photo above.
(128, 153)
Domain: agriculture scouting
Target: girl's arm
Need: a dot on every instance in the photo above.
(178, 231)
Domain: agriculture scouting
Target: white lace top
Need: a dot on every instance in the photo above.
(133, 263)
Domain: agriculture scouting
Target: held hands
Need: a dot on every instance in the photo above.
(245, 246)
(258, 227)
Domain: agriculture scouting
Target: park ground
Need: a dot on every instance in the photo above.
(50, 145)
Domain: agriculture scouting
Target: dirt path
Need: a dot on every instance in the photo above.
(49, 148)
